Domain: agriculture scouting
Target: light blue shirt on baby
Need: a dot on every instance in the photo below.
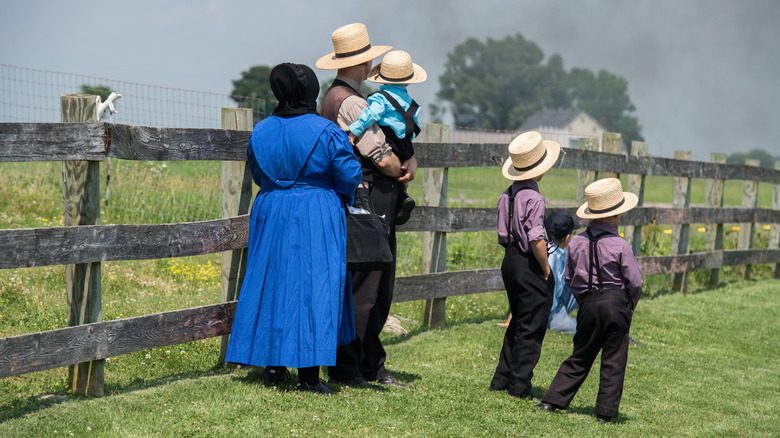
(382, 112)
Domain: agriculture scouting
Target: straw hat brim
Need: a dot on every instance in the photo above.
(419, 75)
(553, 151)
(631, 201)
(330, 62)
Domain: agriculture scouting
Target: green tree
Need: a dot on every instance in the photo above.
(253, 90)
(604, 96)
(101, 90)
(498, 84)
(766, 159)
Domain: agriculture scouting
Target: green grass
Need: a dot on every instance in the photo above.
(704, 366)
(680, 380)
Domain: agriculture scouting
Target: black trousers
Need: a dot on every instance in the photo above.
(530, 300)
(603, 323)
(372, 295)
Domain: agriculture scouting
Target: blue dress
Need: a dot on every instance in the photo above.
(295, 302)
(563, 300)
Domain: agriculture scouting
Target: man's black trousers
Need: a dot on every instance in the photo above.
(372, 294)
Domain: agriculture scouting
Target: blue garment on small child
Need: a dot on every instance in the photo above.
(563, 300)
(382, 112)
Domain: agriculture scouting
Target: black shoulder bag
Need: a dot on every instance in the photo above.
(368, 240)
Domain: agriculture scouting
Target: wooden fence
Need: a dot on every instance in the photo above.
(82, 245)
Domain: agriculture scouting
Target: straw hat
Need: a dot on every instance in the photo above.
(530, 156)
(397, 68)
(606, 198)
(351, 46)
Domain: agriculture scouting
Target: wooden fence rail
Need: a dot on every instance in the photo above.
(96, 243)
(95, 142)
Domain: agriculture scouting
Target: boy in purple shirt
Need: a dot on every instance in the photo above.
(525, 268)
(605, 278)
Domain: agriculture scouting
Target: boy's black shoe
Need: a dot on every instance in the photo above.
(405, 207)
(547, 407)
(604, 419)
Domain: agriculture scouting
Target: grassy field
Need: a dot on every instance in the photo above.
(704, 366)
(449, 369)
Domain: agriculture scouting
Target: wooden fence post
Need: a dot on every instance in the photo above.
(714, 238)
(681, 232)
(774, 235)
(81, 206)
(611, 143)
(636, 184)
(585, 177)
(434, 244)
(236, 199)
(749, 200)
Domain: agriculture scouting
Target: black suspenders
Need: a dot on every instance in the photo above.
(512, 192)
(593, 259)
(408, 115)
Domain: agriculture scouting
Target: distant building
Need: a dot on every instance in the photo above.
(566, 126)
(563, 125)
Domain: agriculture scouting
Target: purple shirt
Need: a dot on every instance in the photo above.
(619, 269)
(528, 216)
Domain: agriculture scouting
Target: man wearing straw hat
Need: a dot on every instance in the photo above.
(605, 278)
(383, 178)
(525, 268)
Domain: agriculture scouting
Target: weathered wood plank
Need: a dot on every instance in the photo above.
(176, 144)
(611, 143)
(493, 154)
(453, 220)
(434, 243)
(57, 348)
(52, 141)
(774, 235)
(81, 206)
(681, 233)
(584, 176)
(84, 244)
(56, 142)
(68, 245)
(636, 184)
(714, 237)
(749, 200)
(426, 286)
(236, 199)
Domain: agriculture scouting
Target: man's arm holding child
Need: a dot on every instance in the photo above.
(372, 143)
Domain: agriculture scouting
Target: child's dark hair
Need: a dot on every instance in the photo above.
(559, 224)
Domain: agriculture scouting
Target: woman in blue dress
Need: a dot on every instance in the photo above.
(294, 308)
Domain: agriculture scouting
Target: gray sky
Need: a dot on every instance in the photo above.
(704, 75)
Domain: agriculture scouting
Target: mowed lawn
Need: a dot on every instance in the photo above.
(706, 364)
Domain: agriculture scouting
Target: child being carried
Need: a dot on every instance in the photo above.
(395, 112)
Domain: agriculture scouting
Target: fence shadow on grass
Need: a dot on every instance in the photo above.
(28, 405)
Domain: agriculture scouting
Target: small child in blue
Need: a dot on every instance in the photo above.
(395, 112)
(559, 226)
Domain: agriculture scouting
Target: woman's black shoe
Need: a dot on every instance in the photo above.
(273, 375)
(319, 388)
